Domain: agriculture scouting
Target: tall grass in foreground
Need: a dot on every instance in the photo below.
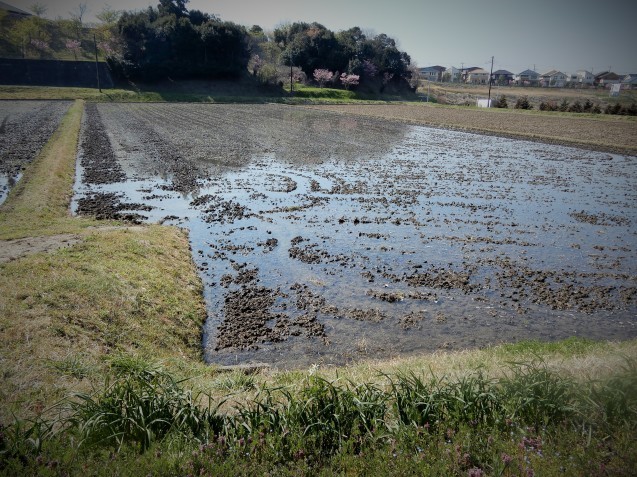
(530, 418)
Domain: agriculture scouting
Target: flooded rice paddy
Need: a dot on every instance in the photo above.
(327, 238)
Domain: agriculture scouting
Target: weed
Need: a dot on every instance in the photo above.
(142, 404)
(236, 381)
(535, 395)
(73, 365)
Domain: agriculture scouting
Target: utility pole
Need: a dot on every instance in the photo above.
(461, 72)
(489, 100)
(97, 66)
(291, 73)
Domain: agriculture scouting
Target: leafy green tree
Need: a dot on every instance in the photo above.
(108, 16)
(173, 7)
(162, 42)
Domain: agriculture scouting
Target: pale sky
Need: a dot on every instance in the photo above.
(566, 35)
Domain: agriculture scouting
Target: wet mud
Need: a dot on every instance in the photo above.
(327, 238)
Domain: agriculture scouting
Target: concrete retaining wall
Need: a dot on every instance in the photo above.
(54, 73)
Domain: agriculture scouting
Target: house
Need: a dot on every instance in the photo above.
(453, 74)
(432, 73)
(553, 79)
(585, 77)
(502, 77)
(527, 78)
(14, 12)
(606, 78)
(464, 73)
(477, 76)
(629, 81)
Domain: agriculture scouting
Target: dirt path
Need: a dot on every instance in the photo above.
(13, 249)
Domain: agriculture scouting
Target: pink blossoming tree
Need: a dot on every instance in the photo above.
(349, 80)
(323, 76)
(74, 46)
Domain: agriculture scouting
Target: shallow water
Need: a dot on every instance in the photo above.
(427, 239)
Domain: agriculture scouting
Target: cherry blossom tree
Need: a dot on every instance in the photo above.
(74, 46)
(349, 80)
(257, 63)
(40, 44)
(323, 76)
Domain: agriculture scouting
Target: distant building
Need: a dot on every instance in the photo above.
(502, 77)
(553, 79)
(454, 74)
(606, 78)
(477, 76)
(527, 78)
(433, 73)
(14, 11)
(464, 73)
(629, 81)
(585, 77)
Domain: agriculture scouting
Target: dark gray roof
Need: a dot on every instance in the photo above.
(528, 73)
(502, 72)
(433, 68)
(12, 9)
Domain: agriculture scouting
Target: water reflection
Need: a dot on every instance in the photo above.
(326, 238)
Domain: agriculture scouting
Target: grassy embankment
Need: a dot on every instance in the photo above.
(118, 316)
(244, 91)
(118, 289)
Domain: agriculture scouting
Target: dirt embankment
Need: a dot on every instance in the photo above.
(611, 135)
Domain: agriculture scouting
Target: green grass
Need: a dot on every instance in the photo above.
(246, 90)
(530, 420)
(67, 93)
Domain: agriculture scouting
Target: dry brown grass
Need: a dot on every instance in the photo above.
(608, 133)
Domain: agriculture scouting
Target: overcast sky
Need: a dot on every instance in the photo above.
(566, 35)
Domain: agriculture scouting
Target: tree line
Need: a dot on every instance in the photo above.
(171, 41)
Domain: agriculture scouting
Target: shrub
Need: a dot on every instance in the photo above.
(548, 106)
(576, 107)
(523, 103)
(501, 102)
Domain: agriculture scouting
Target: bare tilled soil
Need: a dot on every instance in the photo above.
(25, 126)
(325, 238)
(610, 134)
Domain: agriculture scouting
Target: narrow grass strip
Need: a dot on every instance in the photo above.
(39, 203)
